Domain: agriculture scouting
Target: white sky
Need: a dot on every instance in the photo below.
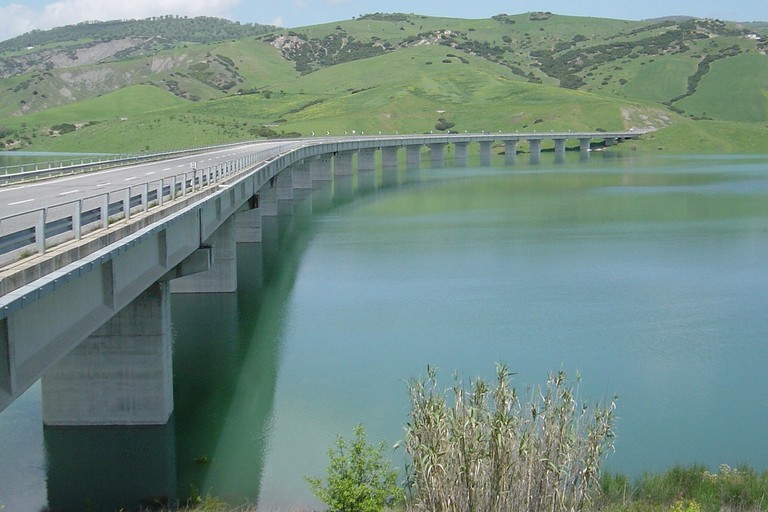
(17, 17)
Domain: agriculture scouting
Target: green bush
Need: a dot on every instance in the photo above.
(360, 478)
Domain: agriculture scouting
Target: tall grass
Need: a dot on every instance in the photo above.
(687, 488)
(486, 450)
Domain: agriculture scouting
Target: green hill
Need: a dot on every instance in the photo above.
(124, 90)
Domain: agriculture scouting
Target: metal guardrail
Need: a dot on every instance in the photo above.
(36, 231)
(57, 168)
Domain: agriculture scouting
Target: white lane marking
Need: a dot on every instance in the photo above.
(153, 172)
(182, 165)
(103, 184)
(130, 178)
(167, 169)
(69, 192)
(20, 202)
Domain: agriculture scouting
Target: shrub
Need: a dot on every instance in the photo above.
(360, 479)
(488, 451)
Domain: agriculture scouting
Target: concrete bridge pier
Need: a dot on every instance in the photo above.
(461, 158)
(609, 141)
(389, 166)
(302, 188)
(413, 157)
(320, 171)
(248, 225)
(284, 192)
(389, 157)
(121, 374)
(322, 180)
(343, 188)
(485, 152)
(584, 145)
(510, 152)
(560, 151)
(535, 151)
(366, 169)
(437, 155)
(222, 276)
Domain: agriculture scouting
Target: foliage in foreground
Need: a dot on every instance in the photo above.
(360, 478)
(687, 489)
(484, 450)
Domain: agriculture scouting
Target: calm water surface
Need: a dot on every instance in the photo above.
(647, 276)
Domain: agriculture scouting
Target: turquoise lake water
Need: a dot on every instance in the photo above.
(646, 275)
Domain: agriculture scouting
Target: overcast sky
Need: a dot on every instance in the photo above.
(19, 16)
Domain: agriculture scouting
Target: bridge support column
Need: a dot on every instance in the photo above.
(510, 152)
(462, 154)
(320, 171)
(366, 169)
(121, 374)
(248, 226)
(584, 145)
(322, 179)
(535, 151)
(609, 141)
(437, 155)
(389, 156)
(413, 157)
(284, 194)
(342, 176)
(485, 152)
(560, 151)
(302, 188)
(342, 164)
(222, 277)
(302, 181)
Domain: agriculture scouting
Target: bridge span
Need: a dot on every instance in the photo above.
(90, 261)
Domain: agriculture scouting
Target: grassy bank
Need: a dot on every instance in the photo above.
(680, 489)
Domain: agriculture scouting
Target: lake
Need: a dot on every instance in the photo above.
(644, 274)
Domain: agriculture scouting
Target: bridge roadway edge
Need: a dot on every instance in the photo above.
(99, 276)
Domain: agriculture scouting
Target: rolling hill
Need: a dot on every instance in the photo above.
(170, 82)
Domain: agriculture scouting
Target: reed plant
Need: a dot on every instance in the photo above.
(483, 449)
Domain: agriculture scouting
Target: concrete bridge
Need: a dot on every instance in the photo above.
(85, 289)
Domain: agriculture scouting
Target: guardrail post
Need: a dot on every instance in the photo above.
(160, 193)
(145, 197)
(105, 211)
(77, 218)
(40, 232)
(127, 204)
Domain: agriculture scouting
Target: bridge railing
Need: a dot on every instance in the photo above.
(38, 170)
(37, 231)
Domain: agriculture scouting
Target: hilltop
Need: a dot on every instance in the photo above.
(170, 81)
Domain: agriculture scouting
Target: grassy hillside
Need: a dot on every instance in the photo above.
(693, 80)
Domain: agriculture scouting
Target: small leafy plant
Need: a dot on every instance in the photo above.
(360, 478)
